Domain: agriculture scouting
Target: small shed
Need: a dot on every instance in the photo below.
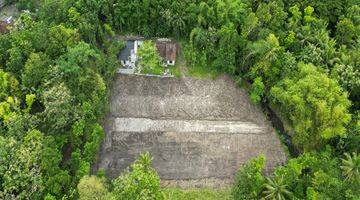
(167, 50)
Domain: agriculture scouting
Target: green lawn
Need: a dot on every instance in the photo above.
(202, 72)
(197, 194)
(157, 70)
(194, 70)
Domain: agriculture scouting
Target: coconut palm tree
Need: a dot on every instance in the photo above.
(350, 166)
(276, 189)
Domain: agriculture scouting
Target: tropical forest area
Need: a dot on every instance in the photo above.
(59, 58)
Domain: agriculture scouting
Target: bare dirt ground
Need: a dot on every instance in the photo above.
(199, 132)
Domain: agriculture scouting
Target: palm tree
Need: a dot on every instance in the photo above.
(275, 189)
(350, 167)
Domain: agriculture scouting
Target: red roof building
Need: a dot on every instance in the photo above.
(167, 50)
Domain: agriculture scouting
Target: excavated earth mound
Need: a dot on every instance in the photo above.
(199, 132)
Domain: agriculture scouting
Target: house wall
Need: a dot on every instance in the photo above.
(170, 62)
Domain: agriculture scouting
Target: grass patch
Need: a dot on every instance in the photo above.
(196, 63)
(157, 70)
(202, 72)
(175, 70)
(197, 194)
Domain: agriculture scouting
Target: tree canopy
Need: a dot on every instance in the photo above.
(58, 61)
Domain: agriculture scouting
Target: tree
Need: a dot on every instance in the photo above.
(92, 188)
(142, 182)
(347, 71)
(36, 71)
(76, 58)
(21, 176)
(251, 22)
(9, 86)
(227, 47)
(266, 55)
(149, 59)
(275, 189)
(257, 90)
(93, 144)
(61, 39)
(176, 18)
(315, 105)
(345, 32)
(249, 181)
(26, 5)
(351, 167)
(58, 110)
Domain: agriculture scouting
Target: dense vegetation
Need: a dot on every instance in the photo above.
(150, 61)
(301, 57)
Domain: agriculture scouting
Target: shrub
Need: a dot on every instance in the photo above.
(249, 181)
(142, 182)
(92, 188)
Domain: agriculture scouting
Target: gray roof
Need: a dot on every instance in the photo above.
(126, 52)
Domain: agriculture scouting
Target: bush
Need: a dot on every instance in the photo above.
(142, 182)
(149, 59)
(92, 188)
(249, 181)
(257, 90)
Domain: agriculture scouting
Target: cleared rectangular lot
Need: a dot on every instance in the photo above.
(199, 132)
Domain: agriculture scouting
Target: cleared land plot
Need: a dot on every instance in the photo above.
(199, 132)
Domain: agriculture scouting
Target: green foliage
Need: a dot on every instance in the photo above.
(249, 181)
(35, 71)
(345, 32)
(55, 71)
(257, 90)
(197, 194)
(225, 55)
(142, 182)
(92, 188)
(351, 167)
(23, 4)
(347, 71)
(49, 79)
(315, 175)
(76, 58)
(276, 189)
(57, 113)
(93, 144)
(150, 61)
(60, 39)
(8, 85)
(268, 53)
(21, 176)
(319, 107)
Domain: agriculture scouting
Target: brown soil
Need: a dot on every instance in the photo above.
(199, 132)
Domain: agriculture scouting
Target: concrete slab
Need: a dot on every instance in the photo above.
(145, 125)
